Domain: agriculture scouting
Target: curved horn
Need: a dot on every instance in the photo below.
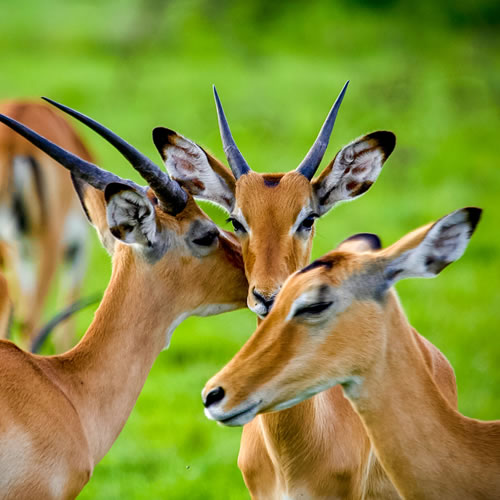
(238, 164)
(85, 170)
(313, 158)
(171, 196)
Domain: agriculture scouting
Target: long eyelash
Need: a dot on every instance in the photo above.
(314, 308)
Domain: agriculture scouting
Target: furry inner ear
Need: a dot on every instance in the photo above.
(353, 171)
(130, 214)
(198, 172)
(442, 243)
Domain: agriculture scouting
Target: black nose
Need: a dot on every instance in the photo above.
(214, 396)
(268, 302)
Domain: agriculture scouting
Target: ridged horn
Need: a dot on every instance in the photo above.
(171, 196)
(238, 164)
(90, 173)
(313, 158)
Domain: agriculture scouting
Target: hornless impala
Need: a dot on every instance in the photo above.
(273, 215)
(59, 415)
(41, 217)
(338, 321)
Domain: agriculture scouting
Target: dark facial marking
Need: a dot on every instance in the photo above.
(272, 180)
(327, 263)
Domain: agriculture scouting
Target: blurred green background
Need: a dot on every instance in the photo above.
(429, 71)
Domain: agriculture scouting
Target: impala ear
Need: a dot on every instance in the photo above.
(361, 242)
(130, 214)
(94, 206)
(424, 253)
(354, 169)
(194, 169)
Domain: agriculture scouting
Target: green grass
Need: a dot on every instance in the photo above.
(431, 75)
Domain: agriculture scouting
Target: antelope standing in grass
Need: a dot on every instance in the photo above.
(59, 415)
(273, 216)
(41, 218)
(339, 322)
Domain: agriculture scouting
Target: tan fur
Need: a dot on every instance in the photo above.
(69, 409)
(406, 396)
(270, 252)
(5, 307)
(278, 451)
(47, 217)
(319, 447)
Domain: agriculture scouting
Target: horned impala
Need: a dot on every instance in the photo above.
(60, 414)
(41, 218)
(273, 216)
(339, 322)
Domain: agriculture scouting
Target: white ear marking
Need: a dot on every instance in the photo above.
(355, 168)
(444, 243)
(131, 218)
(189, 165)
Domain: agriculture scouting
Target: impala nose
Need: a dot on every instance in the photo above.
(214, 396)
(267, 302)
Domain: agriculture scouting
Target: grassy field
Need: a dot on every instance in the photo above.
(430, 74)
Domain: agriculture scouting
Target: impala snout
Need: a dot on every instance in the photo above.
(214, 396)
(215, 402)
(261, 302)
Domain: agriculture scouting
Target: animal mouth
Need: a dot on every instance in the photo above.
(232, 418)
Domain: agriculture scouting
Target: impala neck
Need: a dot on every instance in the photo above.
(107, 369)
(418, 437)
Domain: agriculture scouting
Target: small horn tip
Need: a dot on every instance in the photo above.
(216, 95)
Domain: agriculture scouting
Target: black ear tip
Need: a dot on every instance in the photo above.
(373, 241)
(474, 216)
(114, 188)
(163, 136)
(385, 139)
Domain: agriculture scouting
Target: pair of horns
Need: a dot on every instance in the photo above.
(172, 198)
(309, 164)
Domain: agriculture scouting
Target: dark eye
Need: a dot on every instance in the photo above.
(206, 240)
(307, 223)
(238, 228)
(313, 309)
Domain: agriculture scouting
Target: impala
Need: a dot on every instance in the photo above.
(273, 216)
(60, 414)
(339, 322)
(41, 216)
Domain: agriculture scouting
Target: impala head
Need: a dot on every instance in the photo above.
(157, 230)
(273, 214)
(329, 322)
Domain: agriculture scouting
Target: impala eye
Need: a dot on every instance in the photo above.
(207, 240)
(307, 223)
(313, 309)
(238, 227)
